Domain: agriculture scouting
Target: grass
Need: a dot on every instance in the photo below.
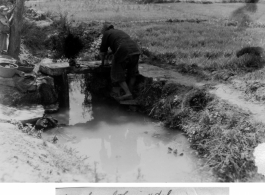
(223, 136)
(234, 136)
(194, 39)
(100, 10)
(119, 10)
(210, 45)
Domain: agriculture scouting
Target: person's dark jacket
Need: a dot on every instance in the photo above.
(120, 44)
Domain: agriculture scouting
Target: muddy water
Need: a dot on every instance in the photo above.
(124, 146)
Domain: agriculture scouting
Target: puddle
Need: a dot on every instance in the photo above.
(124, 146)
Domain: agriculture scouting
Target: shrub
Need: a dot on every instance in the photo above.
(34, 37)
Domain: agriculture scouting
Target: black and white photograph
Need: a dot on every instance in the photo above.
(132, 91)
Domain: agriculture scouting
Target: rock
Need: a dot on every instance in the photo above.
(46, 123)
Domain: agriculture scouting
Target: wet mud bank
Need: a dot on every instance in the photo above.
(223, 135)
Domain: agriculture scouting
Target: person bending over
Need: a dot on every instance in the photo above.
(125, 60)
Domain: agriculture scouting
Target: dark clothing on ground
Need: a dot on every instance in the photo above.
(126, 54)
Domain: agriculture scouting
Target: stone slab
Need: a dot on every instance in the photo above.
(56, 69)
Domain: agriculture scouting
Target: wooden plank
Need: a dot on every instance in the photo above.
(54, 69)
(57, 69)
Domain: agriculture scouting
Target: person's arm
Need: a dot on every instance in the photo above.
(103, 48)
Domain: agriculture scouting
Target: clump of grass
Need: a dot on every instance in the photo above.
(71, 38)
(225, 137)
(196, 100)
(149, 93)
(245, 63)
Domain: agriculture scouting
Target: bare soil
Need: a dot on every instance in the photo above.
(28, 159)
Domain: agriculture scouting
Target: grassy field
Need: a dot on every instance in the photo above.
(207, 45)
(200, 36)
(118, 10)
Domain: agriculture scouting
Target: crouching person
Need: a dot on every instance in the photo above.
(125, 61)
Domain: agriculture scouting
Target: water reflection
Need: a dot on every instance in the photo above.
(126, 146)
(79, 112)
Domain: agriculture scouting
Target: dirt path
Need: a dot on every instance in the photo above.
(235, 97)
(223, 91)
(165, 74)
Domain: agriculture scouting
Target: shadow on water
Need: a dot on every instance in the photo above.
(124, 146)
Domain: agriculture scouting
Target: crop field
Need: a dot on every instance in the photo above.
(120, 10)
(176, 33)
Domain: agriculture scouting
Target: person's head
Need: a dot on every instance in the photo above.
(3, 10)
(106, 26)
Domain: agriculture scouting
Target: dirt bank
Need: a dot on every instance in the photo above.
(28, 159)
